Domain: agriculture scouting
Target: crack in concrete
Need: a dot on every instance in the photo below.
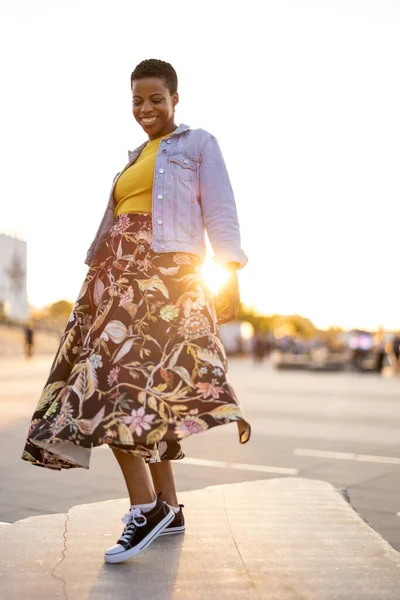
(237, 549)
(53, 572)
(286, 586)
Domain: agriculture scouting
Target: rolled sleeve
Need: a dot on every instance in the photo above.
(219, 206)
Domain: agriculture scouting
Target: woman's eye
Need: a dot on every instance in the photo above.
(155, 101)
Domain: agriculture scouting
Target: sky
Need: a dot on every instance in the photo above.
(303, 97)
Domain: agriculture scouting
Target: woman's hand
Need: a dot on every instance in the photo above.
(228, 298)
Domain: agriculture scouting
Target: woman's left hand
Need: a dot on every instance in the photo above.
(228, 298)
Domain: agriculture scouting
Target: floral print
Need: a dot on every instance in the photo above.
(120, 225)
(194, 326)
(169, 312)
(113, 376)
(140, 365)
(139, 420)
(210, 389)
(96, 361)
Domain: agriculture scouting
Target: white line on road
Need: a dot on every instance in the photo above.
(199, 462)
(390, 460)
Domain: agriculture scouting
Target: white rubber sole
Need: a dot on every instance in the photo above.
(127, 554)
(172, 530)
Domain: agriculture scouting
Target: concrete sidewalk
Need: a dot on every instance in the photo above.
(279, 539)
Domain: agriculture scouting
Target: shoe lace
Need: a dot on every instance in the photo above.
(133, 518)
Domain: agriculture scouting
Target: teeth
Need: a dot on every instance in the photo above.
(148, 121)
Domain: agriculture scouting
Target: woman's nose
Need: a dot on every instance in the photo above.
(146, 108)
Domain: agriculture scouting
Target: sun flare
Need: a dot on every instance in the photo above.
(214, 275)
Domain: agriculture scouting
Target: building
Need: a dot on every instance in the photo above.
(13, 294)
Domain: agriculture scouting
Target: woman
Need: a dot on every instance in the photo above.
(140, 365)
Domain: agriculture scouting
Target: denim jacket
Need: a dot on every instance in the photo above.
(191, 193)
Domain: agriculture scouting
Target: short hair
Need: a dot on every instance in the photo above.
(153, 67)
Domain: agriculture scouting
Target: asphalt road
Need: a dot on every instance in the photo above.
(342, 428)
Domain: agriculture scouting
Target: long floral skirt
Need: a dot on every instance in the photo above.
(140, 364)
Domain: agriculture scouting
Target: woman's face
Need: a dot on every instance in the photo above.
(153, 106)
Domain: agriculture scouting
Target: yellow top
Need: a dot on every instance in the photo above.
(134, 188)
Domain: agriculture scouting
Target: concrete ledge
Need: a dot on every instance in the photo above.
(281, 539)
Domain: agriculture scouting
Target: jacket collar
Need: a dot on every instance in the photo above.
(180, 129)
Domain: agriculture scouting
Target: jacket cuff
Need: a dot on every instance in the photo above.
(231, 256)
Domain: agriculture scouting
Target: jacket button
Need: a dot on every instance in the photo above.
(168, 141)
(160, 196)
(159, 221)
(162, 245)
(185, 161)
(161, 170)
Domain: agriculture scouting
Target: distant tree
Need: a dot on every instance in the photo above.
(302, 326)
(250, 314)
(286, 325)
(62, 308)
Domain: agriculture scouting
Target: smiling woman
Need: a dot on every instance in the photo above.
(154, 104)
(141, 364)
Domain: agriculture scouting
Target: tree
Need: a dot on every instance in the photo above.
(62, 308)
(287, 325)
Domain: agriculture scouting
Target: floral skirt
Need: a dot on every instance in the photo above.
(140, 365)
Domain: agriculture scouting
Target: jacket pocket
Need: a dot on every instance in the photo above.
(183, 166)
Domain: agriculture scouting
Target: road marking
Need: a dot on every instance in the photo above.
(199, 462)
(398, 514)
(217, 464)
(390, 460)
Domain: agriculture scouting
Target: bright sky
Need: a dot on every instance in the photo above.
(303, 96)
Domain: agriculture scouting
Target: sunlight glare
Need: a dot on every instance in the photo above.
(214, 275)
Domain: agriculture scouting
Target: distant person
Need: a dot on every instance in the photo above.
(396, 346)
(240, 348)
(379, 351)
(380, 354)
(258, 348)
(141, 365)
(395, 353)
(29, 339)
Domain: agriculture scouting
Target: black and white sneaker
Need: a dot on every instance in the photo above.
(177, 525)
(140, 531)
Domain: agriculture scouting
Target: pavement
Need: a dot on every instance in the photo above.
(341, 428)
(280, 539)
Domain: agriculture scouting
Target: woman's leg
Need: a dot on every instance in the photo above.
(137, 478)
(148, 516)
(163, 481)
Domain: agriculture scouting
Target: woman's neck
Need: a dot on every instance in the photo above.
(169, 128)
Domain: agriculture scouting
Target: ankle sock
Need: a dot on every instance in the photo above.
(145, 507)
(175, 509)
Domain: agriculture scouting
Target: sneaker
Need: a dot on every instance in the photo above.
(140, 530)
(177, 525)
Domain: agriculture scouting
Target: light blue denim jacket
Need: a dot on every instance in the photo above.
(191, 193)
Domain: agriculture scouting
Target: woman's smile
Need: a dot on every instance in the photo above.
(148, 120)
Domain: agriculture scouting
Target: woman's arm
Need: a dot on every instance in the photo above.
(219, 207)
(222, 225)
